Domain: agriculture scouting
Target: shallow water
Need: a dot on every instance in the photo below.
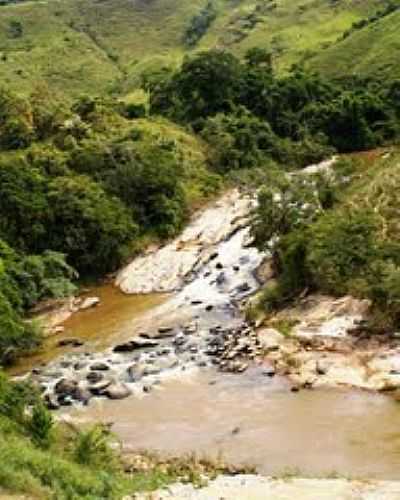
(116, 315)
(252, 419)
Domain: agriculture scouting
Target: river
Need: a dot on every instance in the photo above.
(190, 406)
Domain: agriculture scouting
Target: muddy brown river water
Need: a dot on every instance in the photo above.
(252, 419)
(117, 314)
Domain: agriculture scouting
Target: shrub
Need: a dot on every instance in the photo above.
(14, 398)
(16, 336)
(40, 426)
(90, 227)
(16, 121)
(341, 247)
(199, 25)
(239, 140)
(92, 447)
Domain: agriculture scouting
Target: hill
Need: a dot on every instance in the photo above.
(76, 46)
(371, 51)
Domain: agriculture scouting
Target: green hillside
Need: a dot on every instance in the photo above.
(372, 51)
(78, 46)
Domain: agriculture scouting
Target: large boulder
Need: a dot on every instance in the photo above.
(270, 339)
(117, 390)
(66, 387)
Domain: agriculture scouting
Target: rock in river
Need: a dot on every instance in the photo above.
(66, 387)
(117, 391)
(99, 367)
(132, 345)
(89, 302)
(70, 343)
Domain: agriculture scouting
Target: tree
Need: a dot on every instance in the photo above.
(256, 57)
(92, 228)
(16, 121)
(205, 85)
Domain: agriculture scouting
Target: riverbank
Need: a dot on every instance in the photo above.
(247, 487)
(321, 342)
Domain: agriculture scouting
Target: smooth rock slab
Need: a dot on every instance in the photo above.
(165, 270)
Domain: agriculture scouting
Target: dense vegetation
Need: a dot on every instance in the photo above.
(248, 113)
(80, 187)
(336, 233)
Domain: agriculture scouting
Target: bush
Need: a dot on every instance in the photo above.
(41, 425)
(285, 204)
(341, 247)
(14, 399)
(199, 25)
(16, 121)
(205, 85)
(239, 140)
(90, 227)
(146, 175)
(92, 448)
(16, 336)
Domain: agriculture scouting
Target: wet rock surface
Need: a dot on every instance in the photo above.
(327, 344)
(199, 327)
(139, 366)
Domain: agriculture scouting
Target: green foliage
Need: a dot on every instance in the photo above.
(14, 399)
(391, 7)
(92, 228)
(239, 140)
(286, 204)
(341, 246)
(257, 56)
(295, 120)
(200, 24)
(16, 121)
(92, 447)
(15, 335)
(45, 474)
(205, 85)
(146, 177)
(41, 426)
(78, 44)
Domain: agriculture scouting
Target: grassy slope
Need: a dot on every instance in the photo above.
(79, 46)
(50, 51)
(374, 50)
(293, 29)
(45, 474)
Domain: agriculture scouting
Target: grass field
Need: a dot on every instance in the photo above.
(92, 46)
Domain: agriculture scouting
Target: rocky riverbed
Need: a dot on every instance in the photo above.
(210, 271)
(211, 268)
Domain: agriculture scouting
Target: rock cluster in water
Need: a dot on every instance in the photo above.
(141, 364)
